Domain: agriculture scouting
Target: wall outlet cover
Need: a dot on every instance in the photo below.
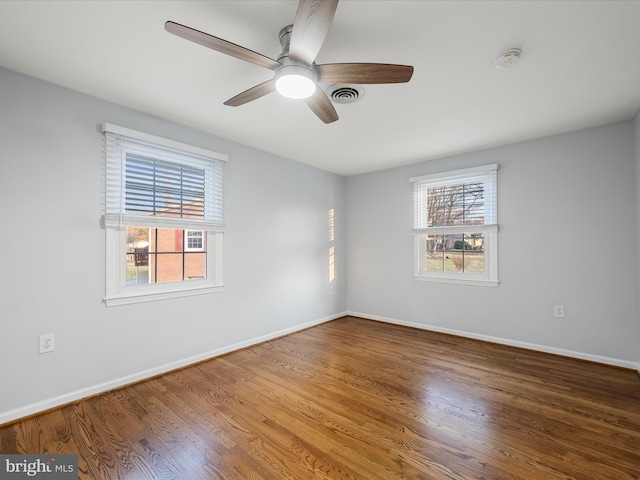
(47, 343)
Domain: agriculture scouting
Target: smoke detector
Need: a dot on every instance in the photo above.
(507, 58)
(339, 93)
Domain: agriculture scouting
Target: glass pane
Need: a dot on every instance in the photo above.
(464, 253)
(474, 252)
(453, 257)
(152, 268)
(137, 275)
(434, 253)
(195, 266)
(454, 253)
(169, 267)
(157, 255)
(162, 188)
(137, 256)
(455, 205)
(473, 203)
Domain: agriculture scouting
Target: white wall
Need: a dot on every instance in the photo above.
(52, 254)
(567, 226)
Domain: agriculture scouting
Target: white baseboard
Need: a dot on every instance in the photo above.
(505, 341)
(49, 403)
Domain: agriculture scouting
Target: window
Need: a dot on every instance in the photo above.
(455, 226)
(164, 217)
(195, 240)
(156, 255)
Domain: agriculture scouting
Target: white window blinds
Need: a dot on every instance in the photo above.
(151, 181)
(456, 202)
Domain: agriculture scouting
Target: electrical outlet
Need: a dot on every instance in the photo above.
(558, 311)
(47, 343)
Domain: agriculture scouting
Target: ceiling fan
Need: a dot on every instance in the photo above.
(296, 73)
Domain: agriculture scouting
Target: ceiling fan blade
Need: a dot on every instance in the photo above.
(310, 28)
(252, 94)
(362, 73)
(220, 45)
(320, 104)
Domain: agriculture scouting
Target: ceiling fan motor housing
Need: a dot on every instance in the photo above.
(295, 80)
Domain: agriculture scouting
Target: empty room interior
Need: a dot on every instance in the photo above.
(338, 240)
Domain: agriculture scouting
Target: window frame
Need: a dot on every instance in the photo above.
(117, 292)
(485, 173)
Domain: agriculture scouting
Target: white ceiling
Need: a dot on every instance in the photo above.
(580, 67)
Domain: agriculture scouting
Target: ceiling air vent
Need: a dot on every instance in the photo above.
(344, 93)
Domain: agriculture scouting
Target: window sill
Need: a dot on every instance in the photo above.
(458, 281)
(127, 299)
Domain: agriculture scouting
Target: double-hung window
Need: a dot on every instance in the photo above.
(164, 217)
(455, 226)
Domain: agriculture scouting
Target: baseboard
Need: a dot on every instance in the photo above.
(505, 341)
(50, 403)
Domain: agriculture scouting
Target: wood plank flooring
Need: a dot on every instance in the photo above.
(356, 399)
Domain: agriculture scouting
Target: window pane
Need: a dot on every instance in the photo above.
(159, 255)
(474, 252)
(454, 205)
(458, 253)
(434, 253)
(473, 201)
(137, 275)
(164, 189)
(453, 259)
(168, 267)
(464, 253)
(137, 256)
(195, 266)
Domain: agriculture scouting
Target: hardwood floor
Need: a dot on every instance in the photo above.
(356, 399)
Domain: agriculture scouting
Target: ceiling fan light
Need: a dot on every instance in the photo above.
(295, 81)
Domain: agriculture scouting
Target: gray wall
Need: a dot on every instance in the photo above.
(568, 212)
(636, 155)
(52, 253)
(567, 224)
